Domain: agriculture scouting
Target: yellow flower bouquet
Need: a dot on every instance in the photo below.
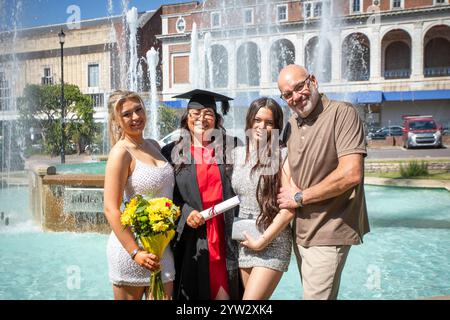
(153, 223)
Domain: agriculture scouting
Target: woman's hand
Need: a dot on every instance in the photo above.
(195, 219)
(147, 260)
(252, 243)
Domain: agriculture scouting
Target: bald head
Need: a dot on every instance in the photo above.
(299, 89)
(290, 74)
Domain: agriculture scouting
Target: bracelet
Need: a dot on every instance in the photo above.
(134, 253)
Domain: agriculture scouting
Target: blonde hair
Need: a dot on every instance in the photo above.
(115, 102)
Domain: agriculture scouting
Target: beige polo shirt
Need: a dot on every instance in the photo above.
(332, 130)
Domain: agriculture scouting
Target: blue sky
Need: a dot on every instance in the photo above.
(44, 12)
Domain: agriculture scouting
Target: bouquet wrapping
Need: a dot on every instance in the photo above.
(153, 221)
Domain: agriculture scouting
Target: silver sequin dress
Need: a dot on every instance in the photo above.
(277, 254)
(123, 271)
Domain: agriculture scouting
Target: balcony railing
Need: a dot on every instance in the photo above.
(45, 81)
(98, 99)
(437, 72)
(397, 74)
(4, 104)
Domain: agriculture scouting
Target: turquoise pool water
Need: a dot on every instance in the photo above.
(405, 256)
(85, 168)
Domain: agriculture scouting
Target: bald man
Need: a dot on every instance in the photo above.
(326, 150)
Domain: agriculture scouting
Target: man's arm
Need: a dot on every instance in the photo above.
(348, 174)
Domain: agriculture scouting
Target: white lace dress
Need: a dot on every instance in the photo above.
(156, 182)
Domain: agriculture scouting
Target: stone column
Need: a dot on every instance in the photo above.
(232, 56)
(300, 49)
(336, 57)
(417, 52)
(264, 49)
(165, 68)
(375, 55)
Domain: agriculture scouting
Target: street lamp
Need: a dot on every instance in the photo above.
(62, 37)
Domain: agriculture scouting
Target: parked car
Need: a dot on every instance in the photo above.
(386, 132)
(421, 131)
(173, 136)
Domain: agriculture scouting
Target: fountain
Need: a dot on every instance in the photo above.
(12, 140)
(246, 73)
(319, 58)
(59, 201)
(209, 64)
(207, 60)
(152, 63)
(194, 61)
(122, 50)
(132, 22)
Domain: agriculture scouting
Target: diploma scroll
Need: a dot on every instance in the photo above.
(220, 208)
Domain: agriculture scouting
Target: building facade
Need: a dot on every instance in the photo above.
(390, 57)
(96, 58)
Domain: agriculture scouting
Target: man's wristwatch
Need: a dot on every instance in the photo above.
(298, 198)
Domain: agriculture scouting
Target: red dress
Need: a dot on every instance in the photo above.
(210, 187)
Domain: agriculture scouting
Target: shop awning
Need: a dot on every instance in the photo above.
(243, 99)
(380, 96)
(416, 95)
(358, 97)
(176, 104)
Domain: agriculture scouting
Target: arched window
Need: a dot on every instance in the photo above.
(318, 58)
(396, 61)
(4, 92)
(248, 64)
(219, 71)
(437, 52)
(356, 57)
(282, 53)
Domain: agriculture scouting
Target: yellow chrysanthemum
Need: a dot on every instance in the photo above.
(160, 227)
(154, 217)
(129, 213)
(159, 215)
(159, 206)
(126, 220)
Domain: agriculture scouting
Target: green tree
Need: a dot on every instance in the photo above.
(168, 120)
(40, 107)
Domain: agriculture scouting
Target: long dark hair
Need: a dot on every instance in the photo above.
(218, 124)
(268, 184)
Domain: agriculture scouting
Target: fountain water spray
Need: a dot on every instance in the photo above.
(209, 64)
(122, 47)
(152, 63)
(323, 63)
(194, 59)
(12, 138)
(132, 21)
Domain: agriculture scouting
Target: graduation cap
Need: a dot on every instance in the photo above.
(199, 99)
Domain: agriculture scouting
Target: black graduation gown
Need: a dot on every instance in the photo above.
(190, 246)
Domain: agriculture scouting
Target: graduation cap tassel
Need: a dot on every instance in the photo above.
(225, 107)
